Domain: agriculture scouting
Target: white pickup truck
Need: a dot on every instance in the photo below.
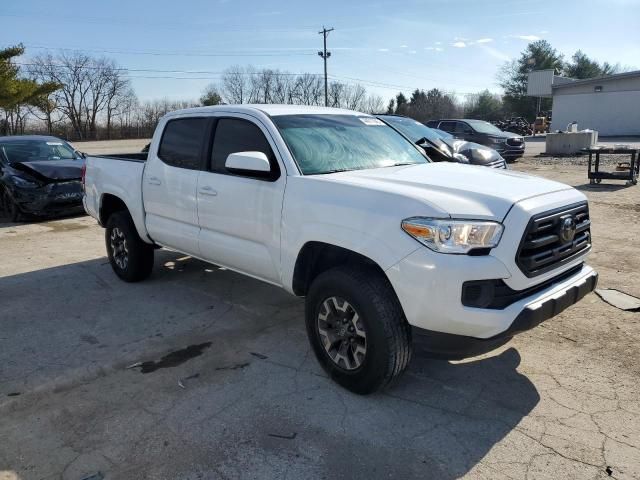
(389, 249)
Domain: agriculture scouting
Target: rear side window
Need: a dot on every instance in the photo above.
(182, 141)
(448, 126)
(234, 135)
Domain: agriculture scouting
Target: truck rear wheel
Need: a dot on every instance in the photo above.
(130, 257)
(357, 328)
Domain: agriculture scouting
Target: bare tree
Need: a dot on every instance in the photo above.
(336, 93)
(235, 85)
(354, 97)
(308, 89)
(118, 91)
(248, 85)
(281, 89)
(373, 104)
(88, 86)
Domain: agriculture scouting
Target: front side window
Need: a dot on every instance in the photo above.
(182, 141)
(234, 135)
(335, 143)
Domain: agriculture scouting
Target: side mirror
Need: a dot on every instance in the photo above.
(248, 162)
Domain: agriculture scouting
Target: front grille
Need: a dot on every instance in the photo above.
(547, 243)
(514, 142)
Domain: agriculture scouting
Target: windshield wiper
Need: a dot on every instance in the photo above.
(337, 170)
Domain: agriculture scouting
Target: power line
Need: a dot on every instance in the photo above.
(151, 70)
(179, 54)
(214, 75)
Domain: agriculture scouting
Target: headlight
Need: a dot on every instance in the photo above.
(497, 140)
(445, 149)
(484, 154)
(460, 158)
(23, 182)
(453, 236)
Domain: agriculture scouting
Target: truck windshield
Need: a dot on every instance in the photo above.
(337, 143)
(36, 150)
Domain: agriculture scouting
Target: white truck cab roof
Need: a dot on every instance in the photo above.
(270, 109)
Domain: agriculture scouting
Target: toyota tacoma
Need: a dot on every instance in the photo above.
(389, 249)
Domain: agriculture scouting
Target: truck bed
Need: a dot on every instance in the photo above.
(120, 176)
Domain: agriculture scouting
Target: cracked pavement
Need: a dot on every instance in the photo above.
(560, 401)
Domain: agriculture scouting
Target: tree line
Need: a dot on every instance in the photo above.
(82, 97)
(512, 78)
(249, 85)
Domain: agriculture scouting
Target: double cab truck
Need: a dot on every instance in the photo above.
(389, 249)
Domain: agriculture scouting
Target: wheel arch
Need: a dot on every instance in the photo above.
(111, 203)
(316, 257)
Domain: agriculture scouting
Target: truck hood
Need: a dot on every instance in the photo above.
(455, 190)
(52, 170)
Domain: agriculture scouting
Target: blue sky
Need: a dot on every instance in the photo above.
(386, 45)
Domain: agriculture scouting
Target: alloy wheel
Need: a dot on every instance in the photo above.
(342, 333)
(119, 248)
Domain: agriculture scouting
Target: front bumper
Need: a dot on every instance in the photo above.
(510, 152)
(52, 199)
(429, 287)
(456, 347)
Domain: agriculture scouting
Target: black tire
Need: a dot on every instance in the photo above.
(130, 257)
(387, 342)
(11, 210)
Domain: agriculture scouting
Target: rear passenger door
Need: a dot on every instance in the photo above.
(169, 184)
(240, 214)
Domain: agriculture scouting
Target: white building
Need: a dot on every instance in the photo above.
(610, 105)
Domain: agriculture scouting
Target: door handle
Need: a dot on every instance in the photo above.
(208, 191)
(154, 181)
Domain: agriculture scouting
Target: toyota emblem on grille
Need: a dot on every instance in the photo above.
(567, 229)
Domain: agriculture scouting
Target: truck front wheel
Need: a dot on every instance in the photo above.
(357, 328)
(130, 257)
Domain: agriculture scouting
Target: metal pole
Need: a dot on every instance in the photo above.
(324, 54)
(324, 57)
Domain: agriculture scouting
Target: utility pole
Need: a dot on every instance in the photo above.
(324, 54)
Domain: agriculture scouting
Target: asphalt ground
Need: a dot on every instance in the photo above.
(233, 391)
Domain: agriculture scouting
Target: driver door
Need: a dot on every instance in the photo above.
(240, 214)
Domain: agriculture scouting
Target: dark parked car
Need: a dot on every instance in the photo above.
(39, 175)
(509, 145)
(440, 148)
